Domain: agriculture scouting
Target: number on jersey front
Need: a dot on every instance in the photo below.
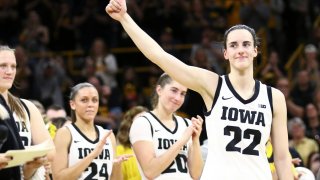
(232, 145)
(181, 162)
(93, 169)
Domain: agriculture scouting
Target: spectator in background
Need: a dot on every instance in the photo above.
(34, 36)
(55, 115)
(48, 85)
(129, 168)
(303, 89)
(275, 26)
(314, 163)
(196, 20)
(255, 13)
(293, 109)
(304, 145)
(272, 72)
(106, 66)
(311, 63)
(313, 123)
(64, 36)
(212, 52)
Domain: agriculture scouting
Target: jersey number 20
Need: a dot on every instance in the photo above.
(181, 161)
(246, 135)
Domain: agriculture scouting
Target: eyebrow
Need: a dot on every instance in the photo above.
(235, 42)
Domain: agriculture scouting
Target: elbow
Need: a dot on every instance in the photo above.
(150, 174)
(197, 176)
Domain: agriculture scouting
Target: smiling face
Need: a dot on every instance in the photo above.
(85, 103)
(171, 96)
(7, 69)
(240, 49)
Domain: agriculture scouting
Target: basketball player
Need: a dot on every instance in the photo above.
(167, 146)
(25, 124)
(85, 150)
(242, 113)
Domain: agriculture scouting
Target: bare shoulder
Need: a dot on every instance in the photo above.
(29, 104)
(63, 134)
(63, 131)
(277, 95)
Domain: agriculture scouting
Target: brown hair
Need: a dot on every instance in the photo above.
(163, 80)
(256, 41)
(123, 133)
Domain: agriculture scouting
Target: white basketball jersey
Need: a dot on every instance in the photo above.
(238, 131)
(163, 138)
(24, 127)
(81, 146)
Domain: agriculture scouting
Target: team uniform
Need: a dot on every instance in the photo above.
(81, 146)
(238, 131)
(149, 128)
(24, 128)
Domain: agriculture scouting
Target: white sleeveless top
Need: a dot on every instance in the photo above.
(81, 146)
(148, 127)
(238, 131)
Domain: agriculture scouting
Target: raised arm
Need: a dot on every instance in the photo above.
(279, 136)
(192, 77)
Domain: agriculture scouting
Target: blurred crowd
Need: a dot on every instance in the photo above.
(36, 28)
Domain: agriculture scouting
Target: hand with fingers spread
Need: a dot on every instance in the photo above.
(98, 149)
(122, 158)
(116, 9)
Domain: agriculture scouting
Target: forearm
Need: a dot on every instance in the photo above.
(158, 164)
(116, 171)
(74, 171)
(195, 161)
(149, 47)
(28, 172)
(283, 168)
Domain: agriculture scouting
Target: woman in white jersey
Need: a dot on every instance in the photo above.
(166, 145)
(25, 124)
(85, 150)
(238, 125)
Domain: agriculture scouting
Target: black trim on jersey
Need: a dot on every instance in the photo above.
(85, 137)
(215, 98)
(165, 127)
(234, 92)
(185, 121)
(269, 91)
(26, 108)
(151, 128)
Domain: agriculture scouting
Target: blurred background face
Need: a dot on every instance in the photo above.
(7, 69)
(297, 131)
(283, 86)
(303, 78)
